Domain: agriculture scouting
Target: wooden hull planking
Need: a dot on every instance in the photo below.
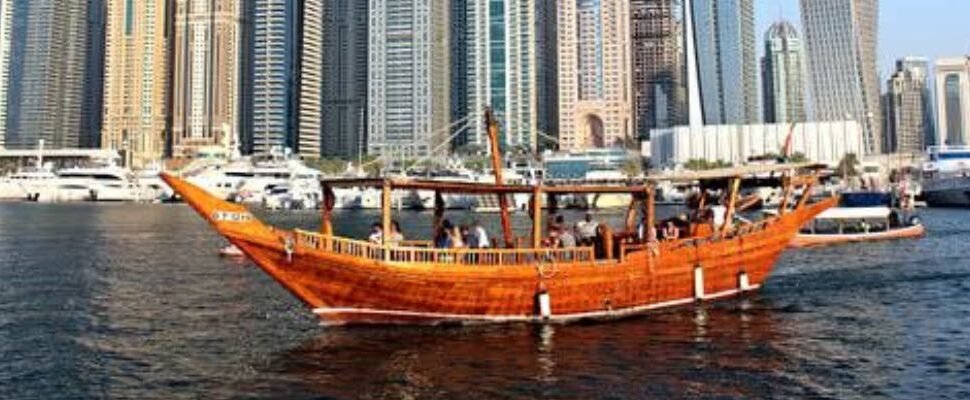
(344, 289)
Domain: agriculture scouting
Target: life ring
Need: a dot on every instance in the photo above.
(547, 270)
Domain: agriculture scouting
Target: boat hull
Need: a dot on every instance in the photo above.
(361, 288)
(810, 240)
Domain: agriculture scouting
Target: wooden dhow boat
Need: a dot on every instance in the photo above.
(349, 281)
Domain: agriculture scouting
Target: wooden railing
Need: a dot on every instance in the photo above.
(663, 246)
(427, 255)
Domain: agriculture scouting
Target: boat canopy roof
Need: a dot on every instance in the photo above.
(844, 213)
(639, 185)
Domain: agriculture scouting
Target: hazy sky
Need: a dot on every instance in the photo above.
(927, 28)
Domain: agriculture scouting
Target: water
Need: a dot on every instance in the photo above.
(130, 301)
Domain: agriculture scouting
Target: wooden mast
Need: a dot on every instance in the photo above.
(326, 226)
(735, 187)
(503, 201)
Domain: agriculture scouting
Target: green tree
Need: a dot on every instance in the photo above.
(700, 164)
(847, 166)
(632, 167)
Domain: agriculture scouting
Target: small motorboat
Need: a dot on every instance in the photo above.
(859, 224)
(231, 251)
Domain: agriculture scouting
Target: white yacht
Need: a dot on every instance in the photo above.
(103, 183)
(24, 184)
(946, 176)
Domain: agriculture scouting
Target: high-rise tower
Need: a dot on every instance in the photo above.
(841, 38)
(208, 65)
(908, 106)
(54, 91)
(595, 89)
(409, 77)
(783, 75)
(953, 101)
(727, 58)
(498, 59)
(136, 85)
(658, 62)
(344, 67)
(271, 100)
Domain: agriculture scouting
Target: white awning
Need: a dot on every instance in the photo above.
(856, 213)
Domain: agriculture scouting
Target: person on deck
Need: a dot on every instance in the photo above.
(396, 236)
(586, 230)
(457, 241)
(442, 239)
(480, 235)
(671, 232)
(376, 234)
(566, 238)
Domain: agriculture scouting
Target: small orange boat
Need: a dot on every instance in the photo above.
(349, 281)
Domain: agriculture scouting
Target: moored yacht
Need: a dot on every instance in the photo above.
(946, 176)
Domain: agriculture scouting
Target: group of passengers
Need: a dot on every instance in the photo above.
(469, 236)
(394, 238)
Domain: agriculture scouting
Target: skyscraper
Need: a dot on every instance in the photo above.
(409, 90)
(953, 101)
(907, 106)
(498, 51)
(345, 56)
(56, 71)
(726, 53)
(273, 93)
(136, 85)
(208, 63)
(310, 98)
(783, 75)
(6, 37)
(841, 38)
(658, 61)
(595, 93)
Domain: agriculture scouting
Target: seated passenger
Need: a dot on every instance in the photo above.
(395, 237)
(566, 238)
(443, 238)
(376, 234)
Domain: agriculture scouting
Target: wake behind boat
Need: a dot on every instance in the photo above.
(350, 281)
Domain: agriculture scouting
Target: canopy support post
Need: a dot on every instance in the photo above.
(385, 211)
(536, 217)
(439, 213)
(651, 211)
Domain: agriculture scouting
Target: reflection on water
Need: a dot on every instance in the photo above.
(131, 301)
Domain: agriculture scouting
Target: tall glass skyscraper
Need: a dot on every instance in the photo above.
(345, 78)
(658, 65)
(783, 75)
(55, 85)
(727, 58)
(497, 54)
(841, 38)
(274, 91)
(908, 105)
(6, 37)
(409, 77)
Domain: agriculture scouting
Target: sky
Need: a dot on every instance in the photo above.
(925, 28)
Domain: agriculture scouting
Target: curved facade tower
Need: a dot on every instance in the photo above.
(783, 75)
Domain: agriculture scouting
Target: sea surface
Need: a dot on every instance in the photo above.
(132, 302)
